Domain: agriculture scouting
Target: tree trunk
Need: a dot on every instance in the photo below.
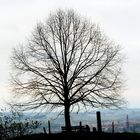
(67, 118)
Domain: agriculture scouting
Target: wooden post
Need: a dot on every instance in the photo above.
(80, 126)
(49, 127)
(113, 127)
(44, 130)
(99, 125)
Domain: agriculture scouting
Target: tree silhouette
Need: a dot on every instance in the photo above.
(68, 63)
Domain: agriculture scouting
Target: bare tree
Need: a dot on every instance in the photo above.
(68, 63)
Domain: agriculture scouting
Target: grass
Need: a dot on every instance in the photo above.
(86, 136)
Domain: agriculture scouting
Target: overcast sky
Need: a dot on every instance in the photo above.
(120, 20)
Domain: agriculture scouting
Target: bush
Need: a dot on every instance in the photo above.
(13, 124)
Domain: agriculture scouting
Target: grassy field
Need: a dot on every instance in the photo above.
(86, 136)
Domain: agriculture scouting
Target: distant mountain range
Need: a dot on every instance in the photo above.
(133, 113)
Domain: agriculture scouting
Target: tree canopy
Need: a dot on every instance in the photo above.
(68, 62)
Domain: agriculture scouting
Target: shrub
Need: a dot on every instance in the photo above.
(13, 124)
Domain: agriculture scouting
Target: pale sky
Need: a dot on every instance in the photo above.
(120, 20)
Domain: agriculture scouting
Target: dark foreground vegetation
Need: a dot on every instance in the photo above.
(86, 136)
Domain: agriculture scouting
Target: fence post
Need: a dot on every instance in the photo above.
(80, 123)
(44, 130)
(49, 127)
(113, 127)
(99, 125)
